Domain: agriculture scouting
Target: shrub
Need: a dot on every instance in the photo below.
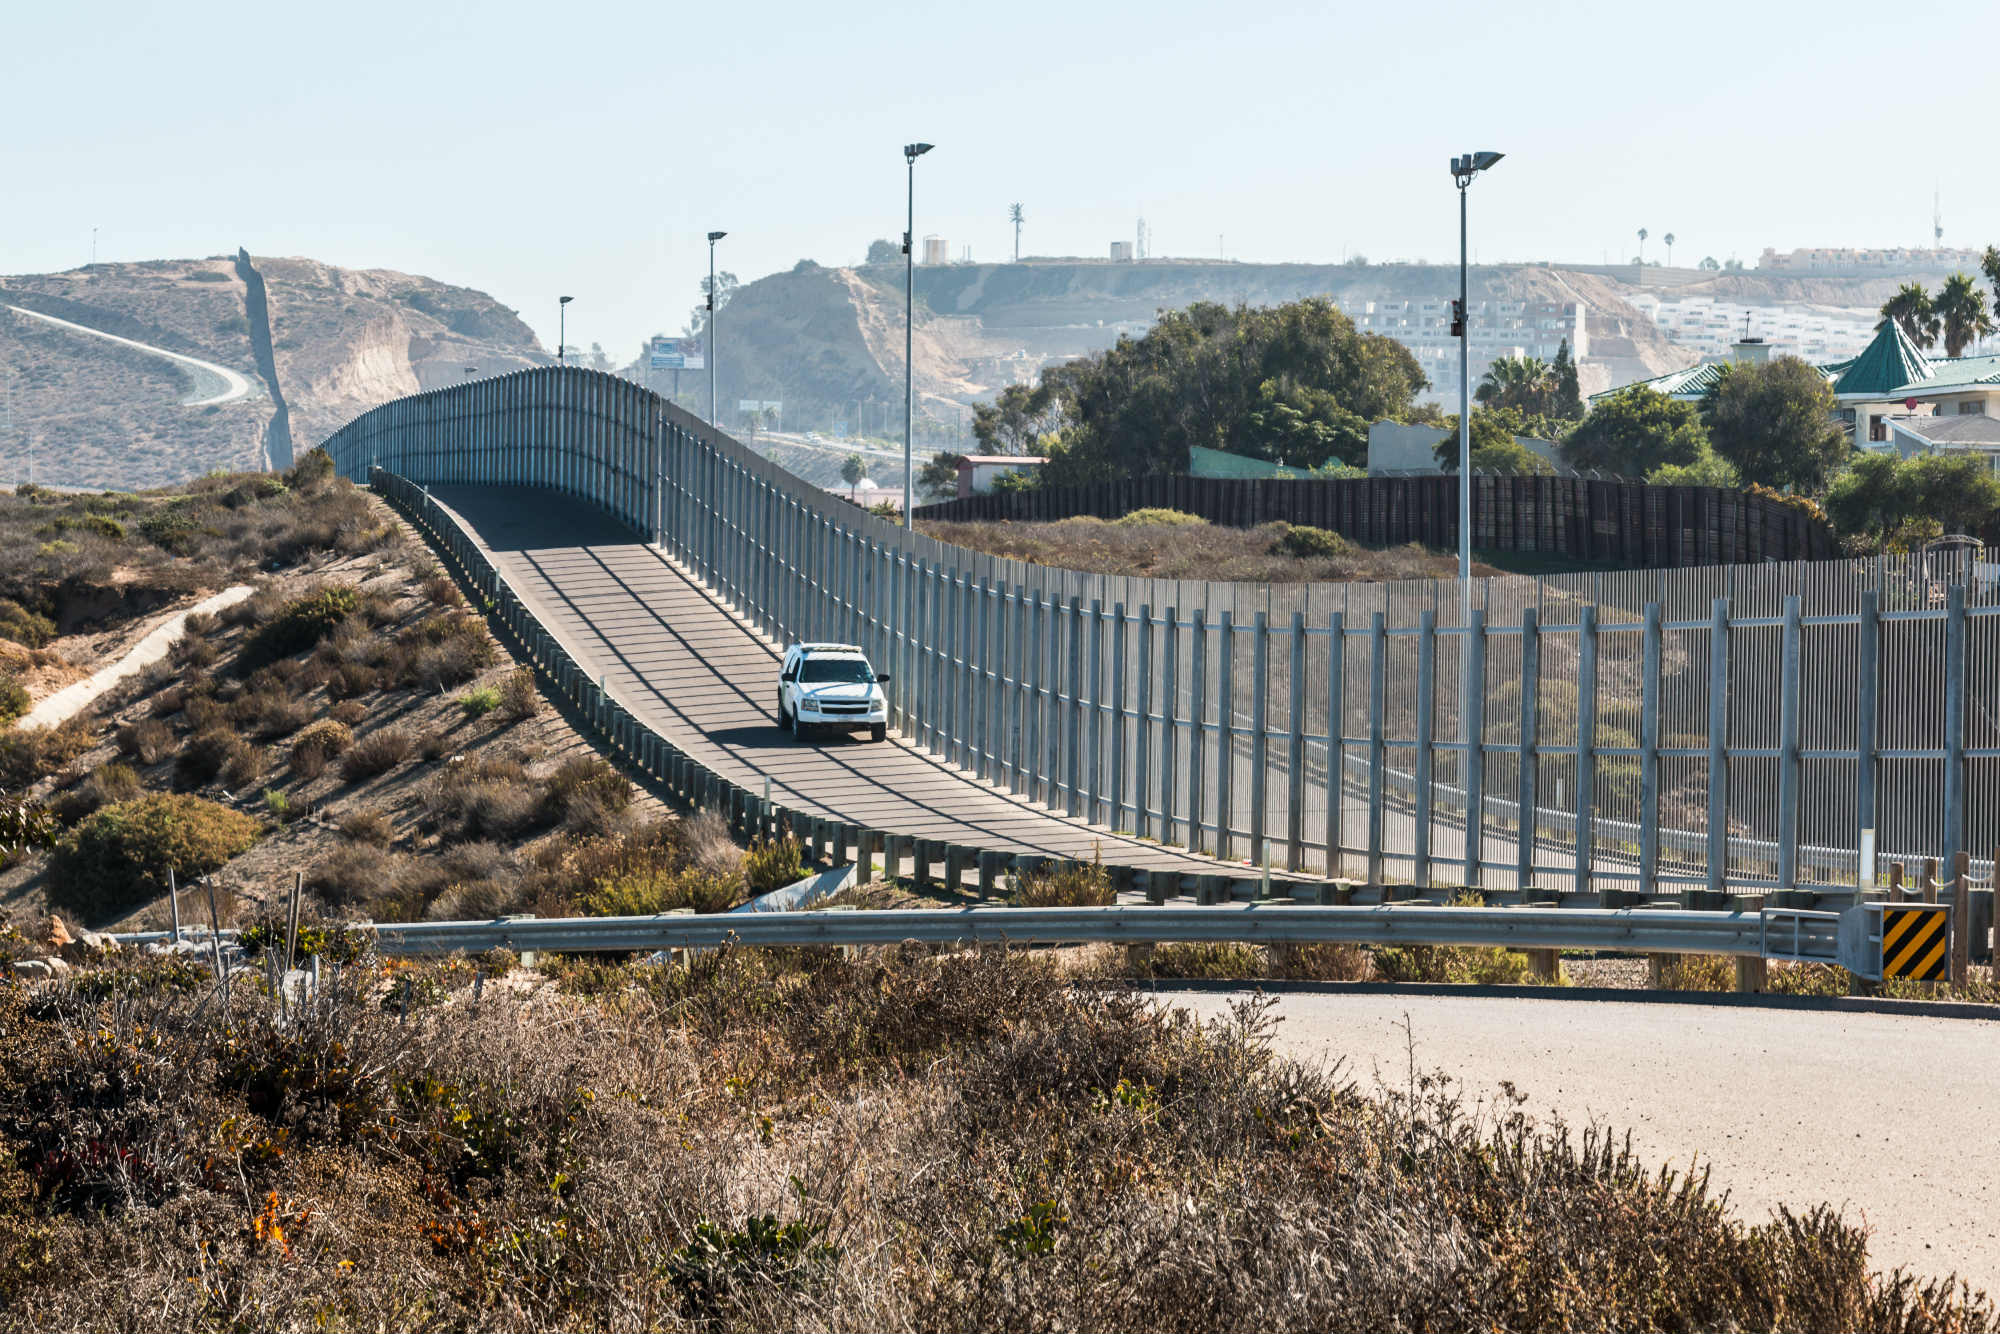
(585, 793)
(148, 740)
(1065, 885)
(97, 525)
(355, 873)
(317, 743)
(106, 785)
(518, 696)
(14, 699)
(1304, 543)
(23, 626)
(120, 856)
(175, 529)
(281, 806)
(29, 755)
(773, 863)
(377, 753)
(348, 711)
(302, 624)
(313, 469)
(367, 826)
(269, 713)
(1187, 958)
(1175, 518)
(474, 800)
(478, 703)
(24, 824)
(644, 891)
(1484, 965)
(202, 623)
(447, 651)
(441, 591)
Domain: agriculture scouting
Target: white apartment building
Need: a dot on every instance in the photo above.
(1499, 329)
(1710, 328)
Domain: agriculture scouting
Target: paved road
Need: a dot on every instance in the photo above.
(1887, 1115)
(213, 384)
(705, 681)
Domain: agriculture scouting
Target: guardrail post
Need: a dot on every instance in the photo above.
(1472, 727)
(1225, 732)
(1649, 756)
(1954, 720)
(1197, 730)
(991, 865)
(1295, 748)
(1788, 748)
(1423, 808)
(1586, 747)
(1336, 743)
(1718, 746)
(1378, 707)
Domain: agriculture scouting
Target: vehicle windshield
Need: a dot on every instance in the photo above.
(836, 671)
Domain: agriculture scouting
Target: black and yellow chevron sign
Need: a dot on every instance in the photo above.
(1916, 943)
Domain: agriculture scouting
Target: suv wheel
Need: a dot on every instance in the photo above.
(879, 732)
(798, 728)
(784, 719)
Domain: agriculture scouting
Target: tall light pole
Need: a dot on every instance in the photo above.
(911, 152)
(714, 408)
(1463, 169)
(562, 325)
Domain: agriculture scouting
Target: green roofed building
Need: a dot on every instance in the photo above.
(1890, 381)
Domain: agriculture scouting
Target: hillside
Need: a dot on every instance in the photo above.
(98, 414)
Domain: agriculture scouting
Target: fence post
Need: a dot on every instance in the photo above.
(1142, 747)
(1197, 724)
(1954, 720)
(1118, 633)
(1649, 756)
(1867, 677)
(1586, 747)
(1170, 703)
(1525, 796)
(1225, 732)
(1260, 745)
(1336, 742)
(1423, 808)
(1073, 738)
(1472, 725)
(1378, 705)
(1788, 748)
(1295, 749)
(1030, 754)
(1718, 746)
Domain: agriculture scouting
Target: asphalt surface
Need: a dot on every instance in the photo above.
(1888, 1116)
(700, 677)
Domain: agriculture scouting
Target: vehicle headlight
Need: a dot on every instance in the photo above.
(809, 705)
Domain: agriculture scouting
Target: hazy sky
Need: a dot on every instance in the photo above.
(532, 150)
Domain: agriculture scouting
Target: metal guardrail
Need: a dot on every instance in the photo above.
(1642, 930)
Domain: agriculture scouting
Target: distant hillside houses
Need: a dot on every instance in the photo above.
(1890, 395)
(1499, 329)
(1846, 259)
(1710, 328)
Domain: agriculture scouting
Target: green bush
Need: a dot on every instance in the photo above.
(1304, 543)
(1175, 518)
(119, 858)
(174, 528)
(319, 742)
(1065, 885)
(478, 703)
(23, 824)
(300, 625)
(313, 467)
(102, 526)
(14, 700)
(773, 863)
(584, 793)
(24, 627)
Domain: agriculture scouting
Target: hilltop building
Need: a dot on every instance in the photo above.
(1846, 259)
(1499, 329)
(1711, 328)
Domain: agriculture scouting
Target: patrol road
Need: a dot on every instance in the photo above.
(1889, 1117)
(700, 677)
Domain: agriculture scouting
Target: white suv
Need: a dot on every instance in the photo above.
(831, 685)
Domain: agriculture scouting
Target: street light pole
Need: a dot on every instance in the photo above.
(562, 325)
(714, 408)
(911, 152)
(1463, 169)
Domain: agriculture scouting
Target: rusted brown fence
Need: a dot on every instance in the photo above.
(1624, 523)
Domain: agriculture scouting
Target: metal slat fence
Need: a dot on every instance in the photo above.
(1657, 730)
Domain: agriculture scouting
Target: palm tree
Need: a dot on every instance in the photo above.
(1911, 307)
(1669, 239)
(1015, 216)
(1642, 246)
(852, 469)
(1521, 383)
(1961, 308)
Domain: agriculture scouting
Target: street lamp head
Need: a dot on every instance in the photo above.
(1469, 165)
(564, 300)
(1483, 161)
(911, 152)
(713, 237)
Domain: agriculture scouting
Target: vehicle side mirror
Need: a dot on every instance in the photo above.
(880, 677)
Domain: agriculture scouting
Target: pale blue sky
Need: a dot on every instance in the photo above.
(532, 150)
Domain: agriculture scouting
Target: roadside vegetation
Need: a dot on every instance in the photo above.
(792, 1139)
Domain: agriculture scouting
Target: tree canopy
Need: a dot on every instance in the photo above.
(1636, 431)
(938, 479)
(1544, 393)
(1961, 313)
(1295, 384)
(1773, 422)
(1884, 499)
(1911, 307)
(1494, 448)
(882, 252)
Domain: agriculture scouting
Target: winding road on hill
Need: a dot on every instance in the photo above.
(213, 384)
(1887, 1116)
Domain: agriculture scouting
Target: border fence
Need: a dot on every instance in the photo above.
(1628, 523)
(1725, 727)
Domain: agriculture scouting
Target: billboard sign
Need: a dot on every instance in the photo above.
(677, 354)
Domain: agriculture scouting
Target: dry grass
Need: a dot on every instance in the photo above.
(789, 1139)
(1197, 550)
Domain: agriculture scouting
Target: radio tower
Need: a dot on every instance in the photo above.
(1142, 238)
(1937, 222)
